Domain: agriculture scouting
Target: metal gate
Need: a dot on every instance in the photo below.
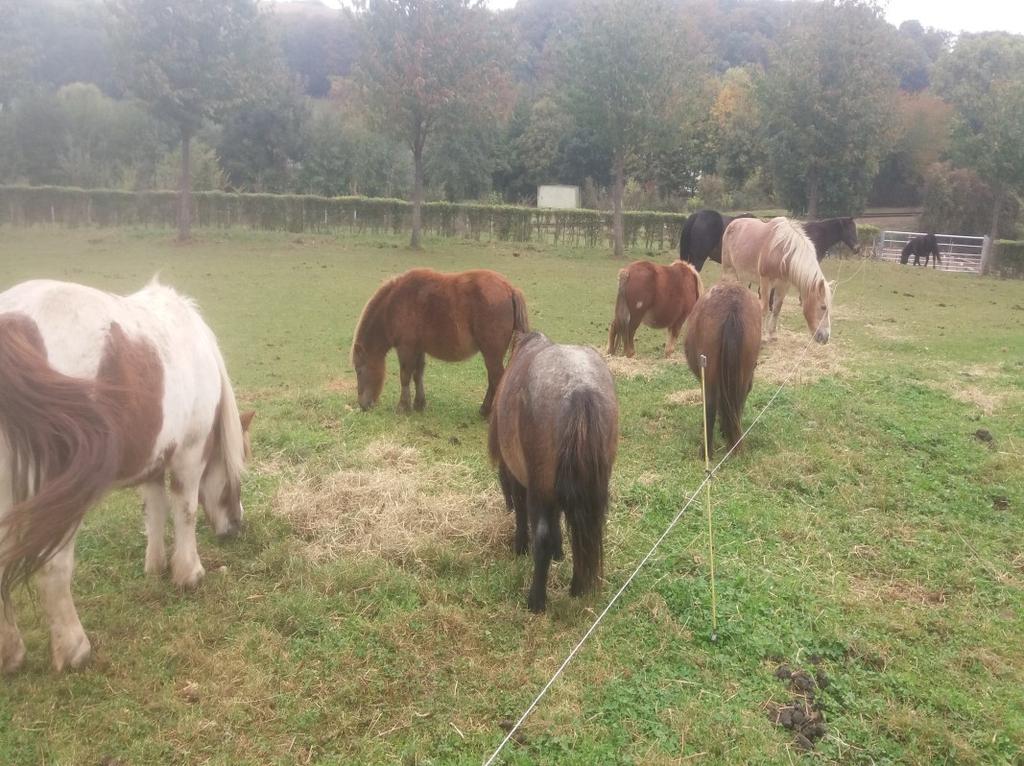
(959, 253)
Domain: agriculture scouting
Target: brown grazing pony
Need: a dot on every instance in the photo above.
(449, 316)
(725, 327)
(553, 436)
(658, 296)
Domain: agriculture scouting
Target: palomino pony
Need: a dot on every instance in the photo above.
(449, 316)
(554, 435)
(725, 328)
(702, 237)
(923, 244)
(99, 391)
(658, 296)
(776, 254)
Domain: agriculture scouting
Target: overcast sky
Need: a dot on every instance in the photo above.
(951, 15)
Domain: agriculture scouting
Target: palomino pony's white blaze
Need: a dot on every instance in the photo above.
(778, 254)
(99, 391)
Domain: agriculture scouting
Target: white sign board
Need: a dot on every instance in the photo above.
(558, 196)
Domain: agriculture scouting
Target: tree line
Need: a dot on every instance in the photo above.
(821, 108)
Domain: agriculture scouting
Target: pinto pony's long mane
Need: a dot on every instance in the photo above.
(799, 258)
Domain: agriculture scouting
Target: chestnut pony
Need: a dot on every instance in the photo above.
(776, 254)
(725, 327)
(658, 296)
(553, 436)
(99, 391)
(448, 316)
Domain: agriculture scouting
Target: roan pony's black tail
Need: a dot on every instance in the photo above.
(581, 486)
(731, 392)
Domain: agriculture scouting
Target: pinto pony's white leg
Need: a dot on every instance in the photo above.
(186, 568)
(157, 506)
(69, 646)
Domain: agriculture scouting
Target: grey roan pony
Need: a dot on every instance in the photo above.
(553, 436)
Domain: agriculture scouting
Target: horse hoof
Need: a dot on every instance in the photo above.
(403, 408)
(188, 577)
(12, 656)
(419, 405)
(535, 604)
(520, 548)
(74, 656)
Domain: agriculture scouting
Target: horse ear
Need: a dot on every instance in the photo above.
(246, 418)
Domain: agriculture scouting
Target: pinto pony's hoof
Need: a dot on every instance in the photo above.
(187, 577)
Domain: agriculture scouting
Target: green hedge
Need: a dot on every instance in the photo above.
(1009, 259)
(31, 205)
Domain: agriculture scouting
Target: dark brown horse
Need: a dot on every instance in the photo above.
(554, 434)
(725, 327)
(827, 233)
(448, 316)
(657, 296)
(923, 244)
(701, 237)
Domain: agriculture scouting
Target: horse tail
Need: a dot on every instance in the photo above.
(65, 452)
(520, 320)
(731, 393)
(620, 320)
(581, 485)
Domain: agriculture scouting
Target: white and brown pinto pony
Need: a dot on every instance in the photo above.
(99, 391)
(776, 254)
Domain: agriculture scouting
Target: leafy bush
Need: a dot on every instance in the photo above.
(1009, 259)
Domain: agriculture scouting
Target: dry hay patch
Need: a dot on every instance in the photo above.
(641, 367)
(796, 354)
(391, 503)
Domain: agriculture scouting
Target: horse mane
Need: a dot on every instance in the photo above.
(800, 259)
(370, 309)
(696, 275)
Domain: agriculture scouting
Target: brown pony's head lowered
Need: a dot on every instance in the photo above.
(370, 373)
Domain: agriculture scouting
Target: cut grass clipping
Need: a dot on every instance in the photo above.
(394, 505)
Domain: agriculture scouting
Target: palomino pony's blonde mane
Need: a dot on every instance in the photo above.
(800, 260)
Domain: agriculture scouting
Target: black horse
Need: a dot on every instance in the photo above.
(829, 232)
(922, 244)
(702, 237)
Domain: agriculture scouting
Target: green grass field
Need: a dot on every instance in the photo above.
(372, 611)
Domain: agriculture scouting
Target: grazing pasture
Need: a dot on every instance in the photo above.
(372, 611)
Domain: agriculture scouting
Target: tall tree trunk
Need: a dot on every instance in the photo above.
(185, 188)
(993, 233)
(812, 195)
(417, 194)
(618, 186)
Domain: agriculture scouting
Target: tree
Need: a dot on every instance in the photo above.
(826, 102)
(737, 117)
(190, 61)
(922, 126)
(622, 77)
(984, 80)
(425, 64)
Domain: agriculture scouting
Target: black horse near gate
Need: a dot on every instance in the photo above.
(922, 244)
(831, 231)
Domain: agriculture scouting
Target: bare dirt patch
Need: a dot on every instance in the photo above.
(391, 503)
(796, 354)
